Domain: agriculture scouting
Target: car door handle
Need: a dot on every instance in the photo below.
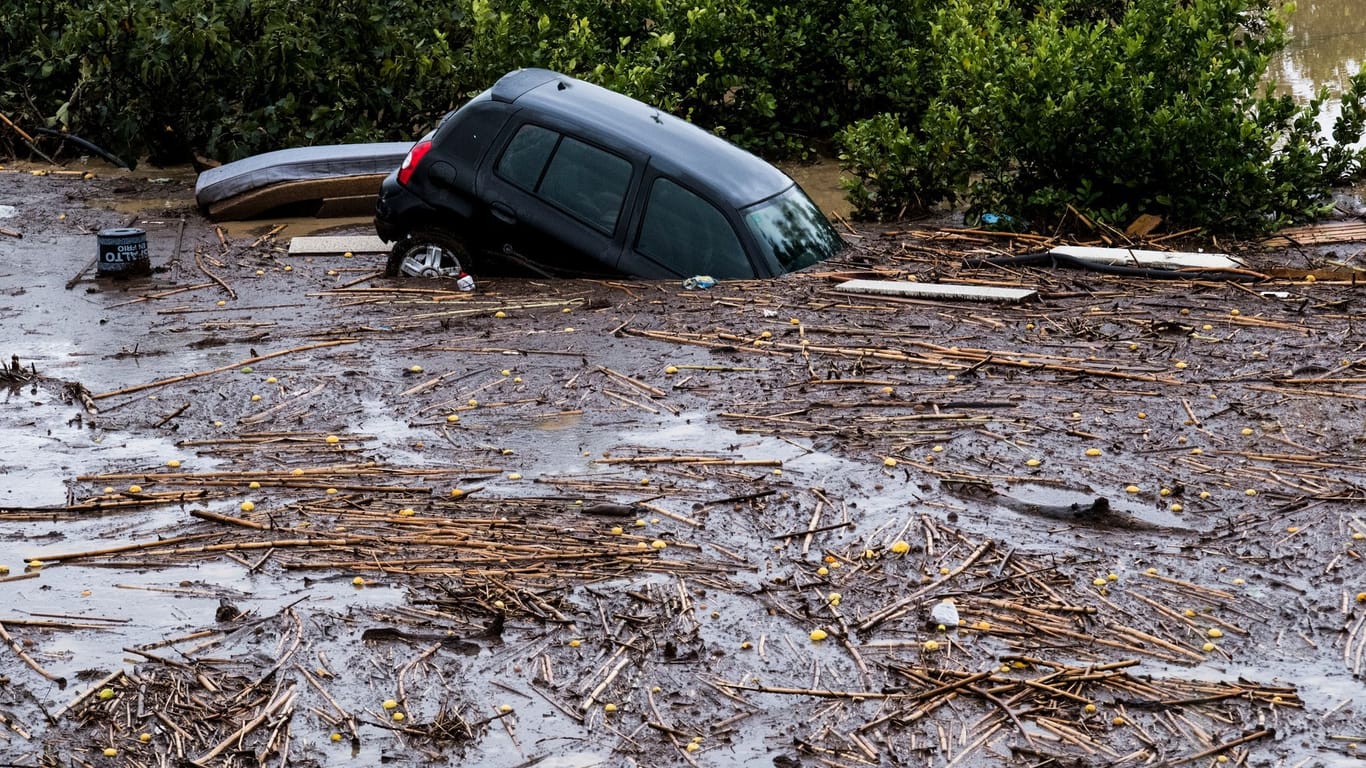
(504, 213)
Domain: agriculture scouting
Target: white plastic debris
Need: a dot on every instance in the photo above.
(465, 282)
(945, 612)
(8, 211)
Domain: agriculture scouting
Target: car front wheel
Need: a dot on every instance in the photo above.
(429, 254)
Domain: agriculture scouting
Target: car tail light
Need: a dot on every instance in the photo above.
(415, 155)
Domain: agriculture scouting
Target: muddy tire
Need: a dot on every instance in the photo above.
(429, 254)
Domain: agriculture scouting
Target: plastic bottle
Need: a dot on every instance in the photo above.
(699, 282)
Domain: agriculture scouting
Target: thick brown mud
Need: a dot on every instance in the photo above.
(284, 511)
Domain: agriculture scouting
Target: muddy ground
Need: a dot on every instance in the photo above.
(287, 512)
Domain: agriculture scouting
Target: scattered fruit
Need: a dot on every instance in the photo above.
(889, 462)
(818, 635)
(1092, 451)
(1028, 462)
(173, 463)
(514, 475)
(111, 752)
(505, 708)
(500, 314)
(359, 581)
(1216, 633)
(135, 489)
(659, 544)
(248, 506)
(106, 694)
(610, 708)
(575, 643)
(930, 646)
(144, 737)
(398, 717)
(900, 547)
(335, 736)
(332, 439)
(390, 704)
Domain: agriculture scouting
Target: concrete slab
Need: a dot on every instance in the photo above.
(352, 243)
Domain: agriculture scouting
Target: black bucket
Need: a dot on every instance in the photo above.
(123, 252)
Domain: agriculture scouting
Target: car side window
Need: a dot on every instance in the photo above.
(588, 182)
(525, 156)
(690, 235)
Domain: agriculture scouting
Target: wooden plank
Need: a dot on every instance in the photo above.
(1131, 257)
(1318, 234)
(352, 243)
(938, 290)
(258, 201)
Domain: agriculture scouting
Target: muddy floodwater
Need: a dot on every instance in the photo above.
(263, 509)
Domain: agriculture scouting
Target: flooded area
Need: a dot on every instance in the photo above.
(308, 509)
(262, 509)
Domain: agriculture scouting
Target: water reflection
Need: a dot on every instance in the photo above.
(1327, 45)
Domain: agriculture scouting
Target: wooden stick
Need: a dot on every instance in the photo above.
(18, 650)
(222, 368)
(1214, 750)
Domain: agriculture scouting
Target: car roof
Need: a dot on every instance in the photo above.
(675, 146)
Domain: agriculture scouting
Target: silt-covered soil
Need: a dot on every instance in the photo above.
(262, 509)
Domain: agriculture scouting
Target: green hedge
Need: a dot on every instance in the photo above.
(1115, 107)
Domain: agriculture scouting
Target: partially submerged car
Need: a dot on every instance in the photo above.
(561, 176)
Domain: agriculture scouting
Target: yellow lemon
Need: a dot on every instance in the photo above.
(818, 635)
(889, 462)
(500, 314)
(671, 370)
(505, 708)
(272, 380)
(106, 694)
(253, 485)
(296, 472)
(514, 475)
(1092, 451)
(659, 544)
(248, 506)
(359, 581)
(111, 752)
(900, 547)
(256, 398)
(575, 643)
(398, 717)
(1216, 633)
(390, 704)
(610, 708)
(332, 439)
(1028, 462)
(144, 737)
(822, 571)
(457, 493)
(173, 463)
(335, 736)
(135, 489)
(453, 418)
(930, 645)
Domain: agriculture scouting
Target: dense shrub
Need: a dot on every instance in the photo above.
(1115, 107)
(1159, 108)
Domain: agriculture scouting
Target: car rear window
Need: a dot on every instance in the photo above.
(689, 235)
(584, 181)
(524, 159)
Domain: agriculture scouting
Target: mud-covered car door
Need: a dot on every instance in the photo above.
(557, 200)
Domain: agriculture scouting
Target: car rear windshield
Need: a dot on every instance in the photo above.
(793, 230)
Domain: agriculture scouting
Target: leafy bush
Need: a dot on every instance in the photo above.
(1159, 108)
